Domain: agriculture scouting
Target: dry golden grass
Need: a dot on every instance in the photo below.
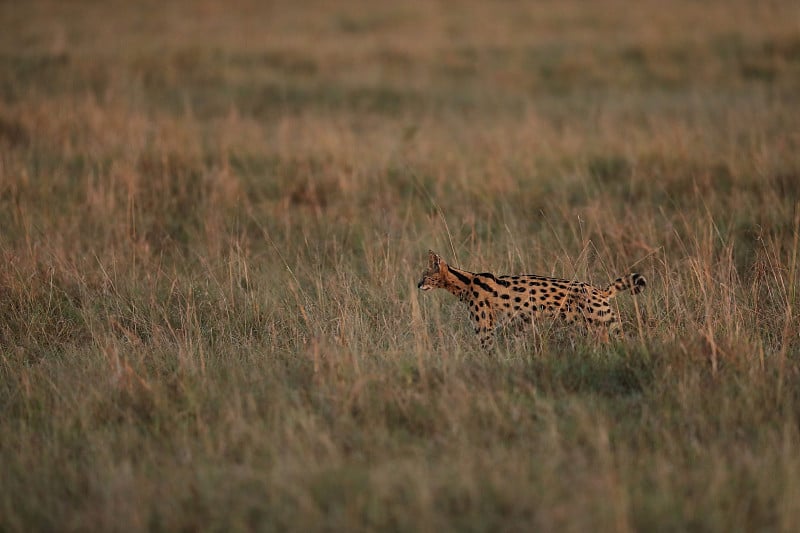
(213, 217)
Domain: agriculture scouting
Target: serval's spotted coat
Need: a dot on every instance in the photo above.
(498, 300)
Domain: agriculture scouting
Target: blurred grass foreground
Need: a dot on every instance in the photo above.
(213, 216)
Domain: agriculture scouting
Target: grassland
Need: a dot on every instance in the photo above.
(213, 216)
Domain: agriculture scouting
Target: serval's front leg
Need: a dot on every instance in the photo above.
(484, 320)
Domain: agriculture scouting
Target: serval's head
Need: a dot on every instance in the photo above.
(435, 275)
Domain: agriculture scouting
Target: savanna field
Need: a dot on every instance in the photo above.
(213, 219)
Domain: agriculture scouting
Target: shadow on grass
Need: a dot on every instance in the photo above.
(614, 371)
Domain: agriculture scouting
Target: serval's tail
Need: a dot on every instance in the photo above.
(635, 282)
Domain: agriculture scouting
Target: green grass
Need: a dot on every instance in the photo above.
(212, 222)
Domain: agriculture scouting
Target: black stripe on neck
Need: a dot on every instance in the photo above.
(464, 279)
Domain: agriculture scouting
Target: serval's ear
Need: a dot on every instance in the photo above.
(439, 264)
(433, 260)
